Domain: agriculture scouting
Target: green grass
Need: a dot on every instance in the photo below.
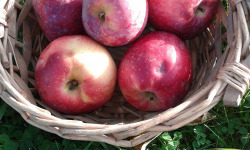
(230, 129)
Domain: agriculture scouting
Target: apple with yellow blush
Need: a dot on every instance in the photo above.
(75, 74)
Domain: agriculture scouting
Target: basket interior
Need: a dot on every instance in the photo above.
(117, 110)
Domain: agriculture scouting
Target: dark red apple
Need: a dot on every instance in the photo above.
(184, 18)
(156, 72)
(59, 17)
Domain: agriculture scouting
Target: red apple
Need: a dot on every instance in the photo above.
(184, 18)
(59, 17)
(114, 23)
(75, 74)
(155, 72)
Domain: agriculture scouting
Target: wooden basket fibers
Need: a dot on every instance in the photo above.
(117, 123)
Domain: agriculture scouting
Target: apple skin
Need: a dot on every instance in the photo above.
(114, 23)
(156, 72)
(75, 74)
(183, 18)
(59, 17)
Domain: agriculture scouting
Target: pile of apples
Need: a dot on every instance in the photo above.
(76, 74)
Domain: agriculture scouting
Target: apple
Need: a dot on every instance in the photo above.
(59, 17)
(156, 72)
(184, 18)
(75, 74)
(114, 23)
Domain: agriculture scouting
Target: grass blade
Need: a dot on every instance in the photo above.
(2, 110)
(225, 144)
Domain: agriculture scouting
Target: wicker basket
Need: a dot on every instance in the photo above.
(217, 74)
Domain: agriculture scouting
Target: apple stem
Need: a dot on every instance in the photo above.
(151, 96)
(102, 16)
(199, 10)
(72, 84)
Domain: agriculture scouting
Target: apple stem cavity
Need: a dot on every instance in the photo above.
(72, 84)
(102, 16)
(199, 11)
(151, 95)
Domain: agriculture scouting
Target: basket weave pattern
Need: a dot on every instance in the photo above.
(117, 123)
